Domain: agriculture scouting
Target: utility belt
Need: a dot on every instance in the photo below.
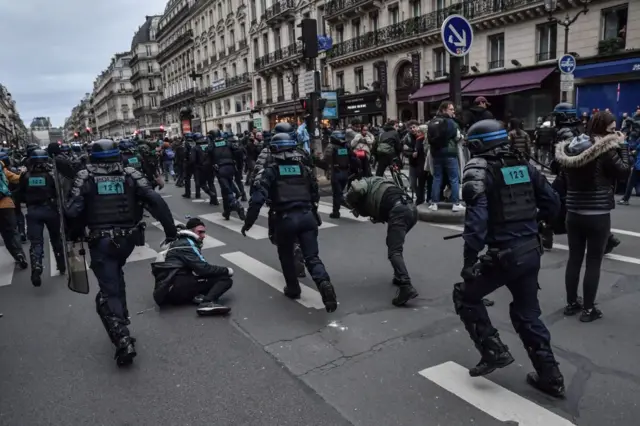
(136, 233)
(507, 258)
(403, 200)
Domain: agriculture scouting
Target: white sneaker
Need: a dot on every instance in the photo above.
(458, 208)
(433, 207)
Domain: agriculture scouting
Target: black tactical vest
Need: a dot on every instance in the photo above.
(130, 159)
(111, 202)
(341, 156)
(292, 185)
(41, 188)
(222, 152)
(512, 198)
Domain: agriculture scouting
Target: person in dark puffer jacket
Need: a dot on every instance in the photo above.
(592, 164)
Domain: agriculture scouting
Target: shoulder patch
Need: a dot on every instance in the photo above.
(473, 180)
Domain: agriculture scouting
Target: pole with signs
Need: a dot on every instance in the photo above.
(566, 65)
(457, 38)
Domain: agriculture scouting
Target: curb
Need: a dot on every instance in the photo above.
(443, 215)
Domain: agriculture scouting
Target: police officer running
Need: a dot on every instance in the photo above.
(108, 198)
(39, 192)
(293, 191)
(383, 201)
(340, 160)
(503, 192)
(221, 155)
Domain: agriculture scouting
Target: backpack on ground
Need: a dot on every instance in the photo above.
(438, 133)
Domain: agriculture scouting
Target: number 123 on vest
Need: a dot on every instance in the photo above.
(515, 175)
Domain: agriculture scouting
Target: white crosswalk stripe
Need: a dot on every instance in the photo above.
(234, 224)
(327, 208)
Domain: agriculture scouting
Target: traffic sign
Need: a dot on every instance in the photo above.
(566, 86)
(457, 35)
(567, 64)
(567, 77)
(309, 82)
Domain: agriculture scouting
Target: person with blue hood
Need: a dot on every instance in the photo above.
(504, 194)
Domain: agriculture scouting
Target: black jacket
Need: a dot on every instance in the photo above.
(183, 257)
(592, 168)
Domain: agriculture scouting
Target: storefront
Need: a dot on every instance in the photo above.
(369, 107)
(613, 83)
(289, 112)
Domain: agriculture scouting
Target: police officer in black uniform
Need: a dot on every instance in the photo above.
(503, 192)
(203, 168)
(39, 192)
(108, 198)
(129, 154)
(340, 161)
(293, 191)
(221, 156)
(190, 166)
(239, 155)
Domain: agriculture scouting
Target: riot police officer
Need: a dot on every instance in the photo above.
(39, 192)
(239, 155)
(567, 123)
(190, 166)
(339, 158)
(107, 197)
(293, 191)
(221, 156)
(203, 168)
(503, 193)
(129, 154)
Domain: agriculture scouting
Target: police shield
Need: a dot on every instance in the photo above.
(74, 253)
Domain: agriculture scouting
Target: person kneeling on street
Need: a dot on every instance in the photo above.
(184, 276)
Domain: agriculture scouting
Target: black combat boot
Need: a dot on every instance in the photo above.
(36, 274)
(241, 213)
(226, 215)
(61, 266)
(328, 296)
(335, 215)
(548, 379)
(405, 293)
(125, 351)
(21, 260)
(612, 243)
(495, 354)
(244, 197)
(213, 201)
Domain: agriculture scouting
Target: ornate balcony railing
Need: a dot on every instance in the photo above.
(173, 22)
(222, 55)
(205, 63)
(230, 83)
(232, 49)
(269, 100)
(334, 7)
(242, 44)
(183, 96)
(182, 40)
(280, 8)
(281, 54)
(425, 24)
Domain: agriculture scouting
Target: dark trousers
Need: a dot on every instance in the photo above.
(179, 169)
(108, 257)
(226, 174)
(585, 233)
(521, 278)
(20, 220)
(187, 183)
(632, 183)
(384, 161)
(9, 232)
(402, 218)
(238, 179)
(338, 183)
(418, 180)
(204, 177)
(300, 226)
(185, 288)
(39, 216)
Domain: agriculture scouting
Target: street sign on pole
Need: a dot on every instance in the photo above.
(309, 82)
(457, 35)
(567, 64)
(566, 86)
(566, 77)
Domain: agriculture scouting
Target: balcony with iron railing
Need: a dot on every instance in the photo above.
(173, 22)
(221, 55)
(137, 93)
(287, 53)
(231, 85)
(269, 100)
(138, 74)
(280, 11)
(497, 64)
(242, 44)
(140, 56)
(180, 97)
(205, 63)
(280, 98)
(336, 10)
(231, 49)
(182, 40)
(426, 28)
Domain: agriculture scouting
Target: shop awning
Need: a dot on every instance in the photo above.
(435, 92)
(503, 84)
(621, 66)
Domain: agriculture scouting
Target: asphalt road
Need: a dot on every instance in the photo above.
(274, 361)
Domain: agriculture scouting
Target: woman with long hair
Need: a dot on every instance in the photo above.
(592, 164)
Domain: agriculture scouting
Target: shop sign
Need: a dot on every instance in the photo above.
(361, 106)
(257, 124)
(330, 111)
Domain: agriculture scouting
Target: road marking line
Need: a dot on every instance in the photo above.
(493, 399)
(324, 225)
(309, 297)
(52, 261)
(234, 224)
(207, 243)
(327, 208)
(610, 256)
(167, 196)
(623, 232)
(7, 266)
(142, 253)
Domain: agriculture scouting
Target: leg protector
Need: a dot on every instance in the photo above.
(115, 327)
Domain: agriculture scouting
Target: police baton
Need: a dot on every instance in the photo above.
(452, 237)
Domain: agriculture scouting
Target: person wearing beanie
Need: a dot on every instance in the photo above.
(184, 276)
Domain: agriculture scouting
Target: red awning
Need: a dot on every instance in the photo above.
(435, 92)
(503, 84)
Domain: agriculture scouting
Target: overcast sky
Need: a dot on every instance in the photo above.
(51, 51)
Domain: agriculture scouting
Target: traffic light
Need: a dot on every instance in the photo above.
(88, 130)
(309, 38)
(162, 127)
(306, 105)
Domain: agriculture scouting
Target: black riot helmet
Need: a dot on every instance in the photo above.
(214, 134)
(104, 151)
(486, 135)
(282, 142)
(38, 156)
(565, 115)
(283, 128)
(31, 147)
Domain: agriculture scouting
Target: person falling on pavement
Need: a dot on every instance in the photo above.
(184, 276)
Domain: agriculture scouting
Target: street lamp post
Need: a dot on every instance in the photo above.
(551, 6)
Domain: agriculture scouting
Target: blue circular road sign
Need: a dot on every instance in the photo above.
(457, 35)
(567, 64)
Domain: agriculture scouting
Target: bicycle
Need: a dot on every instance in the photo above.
(399, 179)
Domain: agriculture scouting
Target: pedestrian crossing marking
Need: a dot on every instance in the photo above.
(234, 224)
(324, 225)
(142, 253)
(207, 243)
(309, 297)
(7, 267)
(491, 398)
(327, 208)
